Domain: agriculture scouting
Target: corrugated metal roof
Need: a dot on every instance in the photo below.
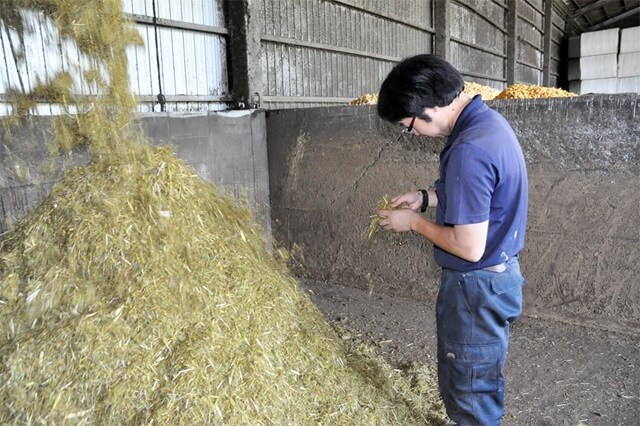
(593, 15)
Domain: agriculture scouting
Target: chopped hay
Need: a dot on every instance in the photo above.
(136, 293)
(383, 204)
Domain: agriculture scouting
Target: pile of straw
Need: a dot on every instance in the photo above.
(136, 293)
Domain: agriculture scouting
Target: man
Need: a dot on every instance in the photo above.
(481, 201)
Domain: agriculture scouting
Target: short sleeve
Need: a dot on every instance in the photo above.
(470, 181)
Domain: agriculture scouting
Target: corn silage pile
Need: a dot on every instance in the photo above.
(528, 91)
(137, 293)
(515, 91)
(470, 88)
(488, 93)
(367, 99)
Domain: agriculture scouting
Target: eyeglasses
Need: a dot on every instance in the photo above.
(410, 128)
(407, 131)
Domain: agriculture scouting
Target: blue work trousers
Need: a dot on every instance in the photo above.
(473, 313)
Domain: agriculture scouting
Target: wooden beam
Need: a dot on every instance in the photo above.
(589, 7)
(442, 19)
(548, 28)
(244, 51)
(635, 10)
(512, 40)
(320, 46)
(170, 23)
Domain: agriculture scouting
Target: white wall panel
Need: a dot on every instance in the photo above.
(191, 51)
(39, 58)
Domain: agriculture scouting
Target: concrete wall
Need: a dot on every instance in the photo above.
(330, 166)
(226, 148)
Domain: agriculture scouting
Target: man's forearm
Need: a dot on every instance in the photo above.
(465, 241)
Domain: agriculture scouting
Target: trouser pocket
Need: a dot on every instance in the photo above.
(471, 368)
(471, 382)
(507, 295)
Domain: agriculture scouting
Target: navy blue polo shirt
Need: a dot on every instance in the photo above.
(483, 176)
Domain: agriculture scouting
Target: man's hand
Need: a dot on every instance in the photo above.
(409, 200)
(465, 241)
(400, 220)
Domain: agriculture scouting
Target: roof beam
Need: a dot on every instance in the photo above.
(588, 8)
(615, 19)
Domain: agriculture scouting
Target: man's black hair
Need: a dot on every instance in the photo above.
(416, 83)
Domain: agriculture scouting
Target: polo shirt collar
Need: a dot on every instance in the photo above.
(469, 111)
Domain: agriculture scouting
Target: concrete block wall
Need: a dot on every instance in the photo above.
(227, 148)
(316, 174)
(606, 61)
(630, 40)
(599, 42)
(629, 61)
(329, 167)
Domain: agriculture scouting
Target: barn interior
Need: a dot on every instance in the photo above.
(271, 104)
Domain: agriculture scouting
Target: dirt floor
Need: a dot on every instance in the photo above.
(558, 372)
